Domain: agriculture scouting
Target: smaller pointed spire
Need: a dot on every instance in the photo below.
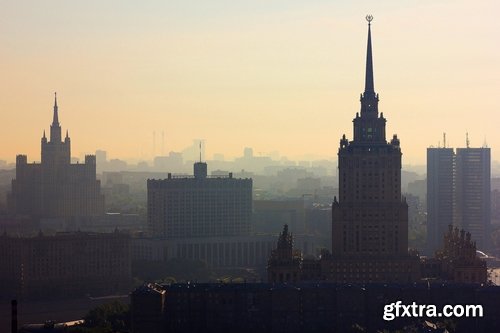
(55, 120)
(44, 134)
(67, 136)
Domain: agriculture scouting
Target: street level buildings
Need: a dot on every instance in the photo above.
(301, 307)
(64, 264)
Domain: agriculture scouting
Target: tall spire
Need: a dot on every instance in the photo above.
(55, 128)
(369, 126)
(369, 87)
(55, 120)
(369, 99)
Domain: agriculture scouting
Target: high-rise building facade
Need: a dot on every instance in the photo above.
(458, 193)
(440, 195)
(370, 218)
(199, 206)
(55, 188)
(473, 193)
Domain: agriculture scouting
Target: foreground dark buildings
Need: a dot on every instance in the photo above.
(55, 188)
(304, 307)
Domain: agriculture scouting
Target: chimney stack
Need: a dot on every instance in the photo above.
(14, 316)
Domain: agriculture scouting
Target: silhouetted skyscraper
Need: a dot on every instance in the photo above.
(440, 195)
(458, 193)
(55, 187)
(473, 193)
(370, 220)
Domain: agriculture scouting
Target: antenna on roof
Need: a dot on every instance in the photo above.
(200, 151)
(154, 144)
(467, 142)
(444, 140)
(162, 143)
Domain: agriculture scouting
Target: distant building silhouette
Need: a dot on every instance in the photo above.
(55, 187)
(248, 152)
(199, 206)
(271, 215)
(171, 162)
(101, 157)
(192, 152)
(370, 219)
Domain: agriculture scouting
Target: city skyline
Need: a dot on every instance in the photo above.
(254, 81)
(223, 72)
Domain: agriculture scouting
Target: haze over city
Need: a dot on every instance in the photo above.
(214, 166)
(282, 76)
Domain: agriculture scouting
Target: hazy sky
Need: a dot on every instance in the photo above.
(274, 75)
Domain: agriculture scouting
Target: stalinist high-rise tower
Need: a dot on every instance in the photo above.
(55, 188)
(370, 217)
